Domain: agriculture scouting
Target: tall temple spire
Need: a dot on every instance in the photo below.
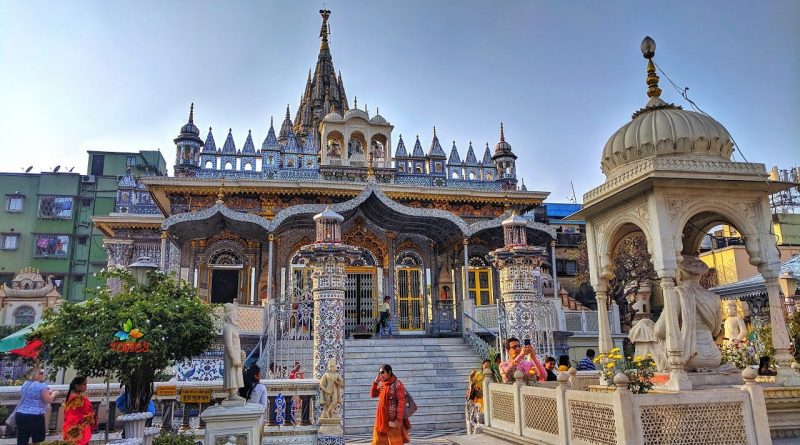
(324, 90)
(191, 113)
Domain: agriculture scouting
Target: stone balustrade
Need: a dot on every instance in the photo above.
(172, 413)
(562, 415)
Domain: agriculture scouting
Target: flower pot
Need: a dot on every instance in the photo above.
(150, 434)
(133, 424)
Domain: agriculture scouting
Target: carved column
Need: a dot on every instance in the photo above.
(676, 363)
(465, 273)
(780, 333)
(523, 301)
(327, 257)
(270, 261)
(162, 261)
(553, 266)
(119, 255)
(605, 343)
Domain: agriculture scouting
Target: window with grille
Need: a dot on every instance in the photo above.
(51, 245)
(130, 161)
(55, 207)
(14, 203)
(566, 267)
(480, 286)
(8, 241)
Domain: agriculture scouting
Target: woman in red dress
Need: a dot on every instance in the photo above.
(79, 419)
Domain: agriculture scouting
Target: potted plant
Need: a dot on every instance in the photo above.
(639, 370)
(131, 335)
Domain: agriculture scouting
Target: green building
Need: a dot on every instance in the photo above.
(37, 224)
(47, 218)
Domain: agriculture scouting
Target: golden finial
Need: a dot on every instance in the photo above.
(648, 48)
(502, 134)
(323, 32)
(191, 113)
(220, 194)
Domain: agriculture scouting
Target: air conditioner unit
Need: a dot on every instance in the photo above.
(88, 179)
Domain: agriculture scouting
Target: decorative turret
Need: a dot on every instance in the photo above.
(454, 168)
(324, 91)
(230, 146)
(188, 145)
(269, 150)
(505, 162)
(249, 148)
(487, 165)
(401, 161)
(514, 231)
(329, 226)
(208, 159)
(436, 157)
(286, 128)
(472, 168)
(418, 159)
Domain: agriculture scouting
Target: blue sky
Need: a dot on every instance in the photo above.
(563, 76)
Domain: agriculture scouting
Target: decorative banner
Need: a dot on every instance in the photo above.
(129, 340)
(195, 395)
(280, 409)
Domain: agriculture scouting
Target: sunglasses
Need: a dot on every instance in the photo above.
(382, 372)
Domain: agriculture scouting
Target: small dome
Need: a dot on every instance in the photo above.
(662, 129)
(329, 215)
(332, 117)
(378, 119)
(515, 220)
(355, 112)
(190, 128)
(502, 148)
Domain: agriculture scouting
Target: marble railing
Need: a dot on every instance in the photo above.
(562, 415)
(172, 413)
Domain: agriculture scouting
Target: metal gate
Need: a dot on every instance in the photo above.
(360, 304)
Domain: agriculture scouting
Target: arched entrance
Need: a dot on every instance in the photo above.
(408, 268)
(226, 269)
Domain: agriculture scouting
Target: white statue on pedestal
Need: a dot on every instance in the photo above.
(700, 315)
(233, 379)
(735, 329)
(645, 341)
(332, 386)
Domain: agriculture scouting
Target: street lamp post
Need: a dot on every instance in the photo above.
(141, 267)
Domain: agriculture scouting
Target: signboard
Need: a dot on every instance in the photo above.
(195, 395)
(167, 391)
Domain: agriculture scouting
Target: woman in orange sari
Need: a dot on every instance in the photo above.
(79, 419)
(391, 428)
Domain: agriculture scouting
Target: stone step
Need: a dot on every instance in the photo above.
(369, 420)
(435, 393)
(414, 362)
(439, 408)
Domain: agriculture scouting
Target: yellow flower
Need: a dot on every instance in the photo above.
(649, 355)
(617, 357)
(610, 365)
(597, 360)
(614, 350)
(638, 358)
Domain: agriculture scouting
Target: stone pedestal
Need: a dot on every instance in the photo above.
(242, 421)
(330, 432)
(133, 424)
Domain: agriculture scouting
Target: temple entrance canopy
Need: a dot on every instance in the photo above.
(408, 253)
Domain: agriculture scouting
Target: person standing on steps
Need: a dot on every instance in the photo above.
(391, 427)
(384, 328)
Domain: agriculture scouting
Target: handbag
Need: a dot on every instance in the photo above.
(411, 406)
(11, 420)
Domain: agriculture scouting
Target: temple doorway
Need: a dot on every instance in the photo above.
(360, 302)
(224, 285)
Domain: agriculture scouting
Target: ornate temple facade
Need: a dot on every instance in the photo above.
(232, 220)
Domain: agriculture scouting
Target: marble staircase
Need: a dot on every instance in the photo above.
(434, 371)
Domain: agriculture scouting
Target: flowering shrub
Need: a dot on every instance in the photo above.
(639, 370)
(742, 355)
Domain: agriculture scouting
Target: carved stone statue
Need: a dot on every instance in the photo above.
(332, 387)
(735, 329)
(233, 379)
(700, 315)
(643, 337)
(334, 149)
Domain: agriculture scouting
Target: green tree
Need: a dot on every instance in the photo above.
(133, 334)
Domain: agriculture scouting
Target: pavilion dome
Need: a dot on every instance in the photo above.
(332, 117)
(661, 129)
(378, 119)
(355, 112)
